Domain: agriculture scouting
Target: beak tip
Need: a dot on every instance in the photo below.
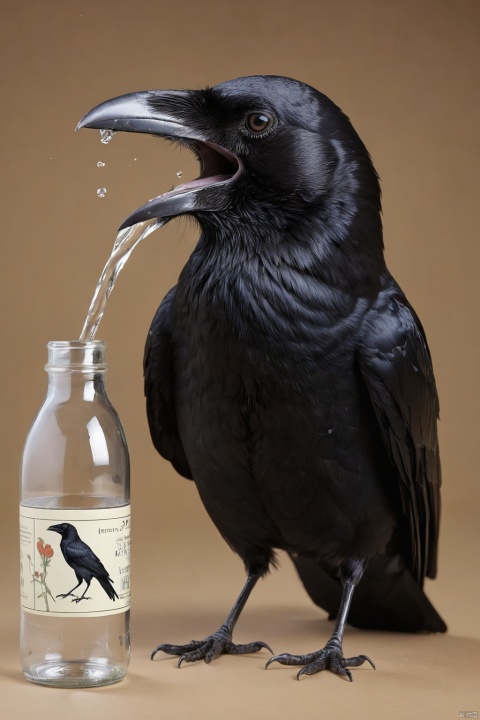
(81, 123)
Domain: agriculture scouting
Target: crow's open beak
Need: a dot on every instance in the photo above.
(169, 114)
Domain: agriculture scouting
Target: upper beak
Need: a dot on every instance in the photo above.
(55, 528)
(161, 113)
(134, 113)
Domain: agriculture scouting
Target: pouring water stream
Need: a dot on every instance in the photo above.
(125, 242)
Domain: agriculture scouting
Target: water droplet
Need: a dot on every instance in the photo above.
(100, 164)
(106, 136)
(101, 192)
(179, 173)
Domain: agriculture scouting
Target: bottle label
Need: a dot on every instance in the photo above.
(75, 563)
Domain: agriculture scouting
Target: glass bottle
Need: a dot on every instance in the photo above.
(75, 528)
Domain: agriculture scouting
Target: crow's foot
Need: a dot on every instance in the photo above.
(329, 658)
(65, 595)
(75, 598)
(218, 643)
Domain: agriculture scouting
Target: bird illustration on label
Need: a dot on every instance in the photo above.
(83, 561)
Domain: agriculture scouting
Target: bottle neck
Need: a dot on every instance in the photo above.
(76, 368)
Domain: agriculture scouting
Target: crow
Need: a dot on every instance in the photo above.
(286, 373)
(83, 562)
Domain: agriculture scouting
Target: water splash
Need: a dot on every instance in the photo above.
(106, 136)
(125, 242)
(100, 164)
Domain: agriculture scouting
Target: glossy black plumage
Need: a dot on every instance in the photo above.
(286, 373)
(83, 561)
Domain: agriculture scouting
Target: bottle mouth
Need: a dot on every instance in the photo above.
(76, 356)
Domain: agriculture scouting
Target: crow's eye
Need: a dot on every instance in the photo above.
(258, 122)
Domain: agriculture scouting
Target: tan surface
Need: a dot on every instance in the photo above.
(407, 74)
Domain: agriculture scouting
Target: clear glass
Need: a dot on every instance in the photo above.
(75, 457)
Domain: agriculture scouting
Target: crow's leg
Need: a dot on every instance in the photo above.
(219, 642)
(331, 656)
(64, 595)
(77, 600)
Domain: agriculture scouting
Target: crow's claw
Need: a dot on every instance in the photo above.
(329, 658)
(210, 648)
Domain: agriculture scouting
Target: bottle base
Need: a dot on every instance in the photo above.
(74, 674)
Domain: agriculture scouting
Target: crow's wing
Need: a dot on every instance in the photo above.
(160, 389)
(80, 555)
(396, 366)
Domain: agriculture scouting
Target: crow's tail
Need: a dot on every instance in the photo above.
(106, 584)
(386, 598)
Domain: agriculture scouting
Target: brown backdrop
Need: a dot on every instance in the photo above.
(406, 72)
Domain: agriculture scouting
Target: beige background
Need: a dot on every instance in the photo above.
(407, 73)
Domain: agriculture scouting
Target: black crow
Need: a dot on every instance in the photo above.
(83, 562)
(286, 373)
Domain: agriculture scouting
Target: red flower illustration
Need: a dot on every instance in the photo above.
(44, 550)
(46, 554)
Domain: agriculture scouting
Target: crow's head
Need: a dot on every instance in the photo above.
(266, 144)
